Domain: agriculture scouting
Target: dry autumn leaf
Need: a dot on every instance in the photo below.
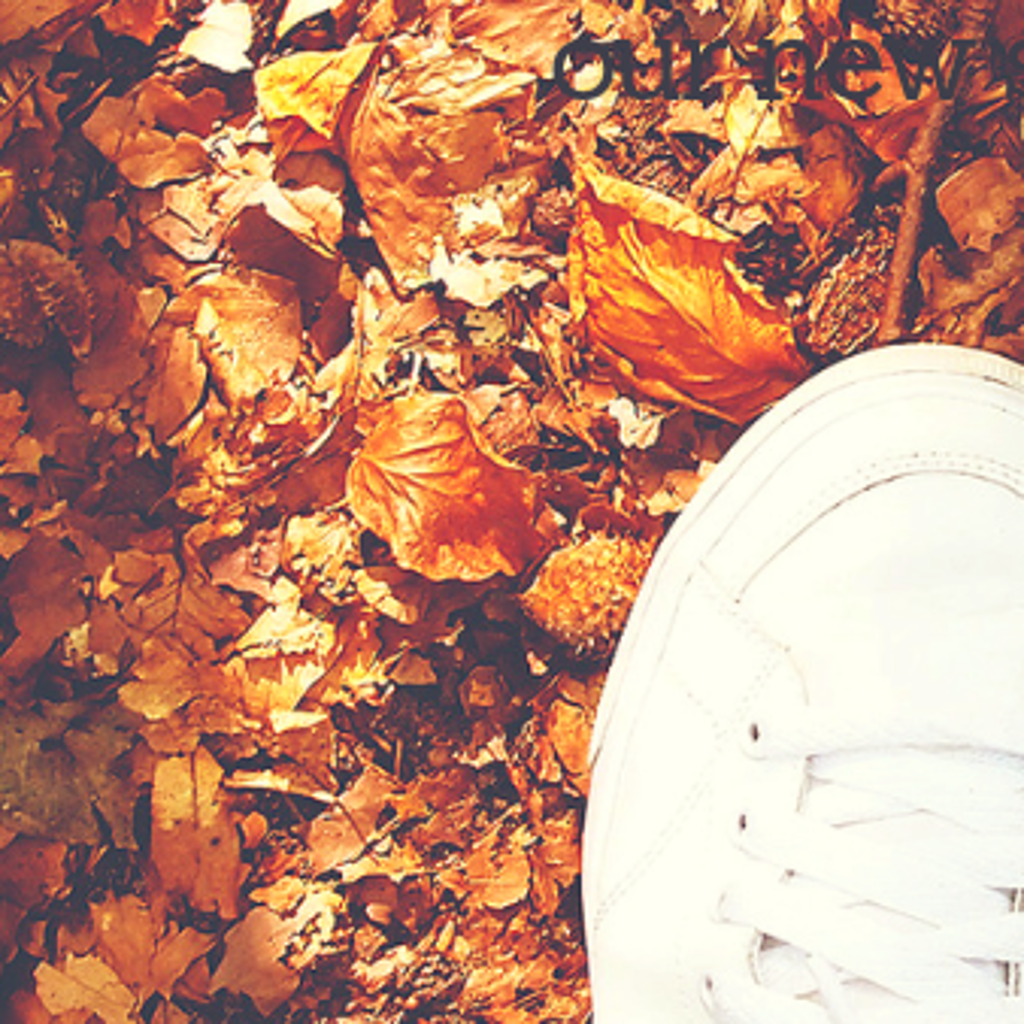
(522, 34)
(222, 38)
(256, 947)
(311, 86)
(651, 283)
(146, 135)
(422, 134)
(85, 983)
(448, 508)
(498, 872)
(18, 19)
(194, 842)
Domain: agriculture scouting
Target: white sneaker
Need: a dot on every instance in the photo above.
(807, 804)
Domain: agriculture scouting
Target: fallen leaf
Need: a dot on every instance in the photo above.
(311, 86)
(177, 383)
(222, 37)
(481, 282)
(420, 136)
(297, 11)
(248, 325)
(498, 871)
(448, 508)
(142, 135)
(195, 846)
(43, 589)
(569, 729)
(256, 947)
(981, 201)
(85, 983)
(521, 34)
(19, 19)
(321, 549)
(141, 19)
(652, 287)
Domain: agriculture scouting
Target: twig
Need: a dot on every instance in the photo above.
(919, 164)
(975, 16)
(22, 92)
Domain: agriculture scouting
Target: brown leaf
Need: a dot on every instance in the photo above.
(19, 19)
(195, 846)
(252, 960)
(448, 508)
(178, 381)
(499, 871)
(651, 283)
(141, 19)
(138, 134)
(522, 34)
(981, 201)
(248, 563)
(43, 588)
(422, 135)
(341, 834)
(569, 729)
(248, 325)
(85, 983)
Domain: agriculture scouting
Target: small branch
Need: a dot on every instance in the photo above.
(974, 20)
(904, 257)
(22, 92)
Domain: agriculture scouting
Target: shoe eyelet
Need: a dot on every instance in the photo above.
(707, 991)
(752, 739)
(716, 912)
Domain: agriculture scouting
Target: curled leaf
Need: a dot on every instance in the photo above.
(651, 283)
(448, 508)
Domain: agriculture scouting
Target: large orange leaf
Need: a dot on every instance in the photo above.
(448, 508)
(652, 286)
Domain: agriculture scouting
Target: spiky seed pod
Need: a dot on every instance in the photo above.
(43, 297)
(919, 21)
(583, 593)
(845, 303)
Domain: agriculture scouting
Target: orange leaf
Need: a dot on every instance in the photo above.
(650, 281)
(448, 508)
(521, 33)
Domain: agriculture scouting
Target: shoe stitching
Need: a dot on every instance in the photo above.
(772, 657)
(854, 483)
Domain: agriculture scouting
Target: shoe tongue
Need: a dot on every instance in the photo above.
(898, 597)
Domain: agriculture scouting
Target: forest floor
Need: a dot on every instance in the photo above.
(351, 368)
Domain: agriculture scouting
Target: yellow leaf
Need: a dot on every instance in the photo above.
(311, 86)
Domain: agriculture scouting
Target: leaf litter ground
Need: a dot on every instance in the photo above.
(351, 373)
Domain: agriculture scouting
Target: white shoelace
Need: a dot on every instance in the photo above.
(894, 895)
